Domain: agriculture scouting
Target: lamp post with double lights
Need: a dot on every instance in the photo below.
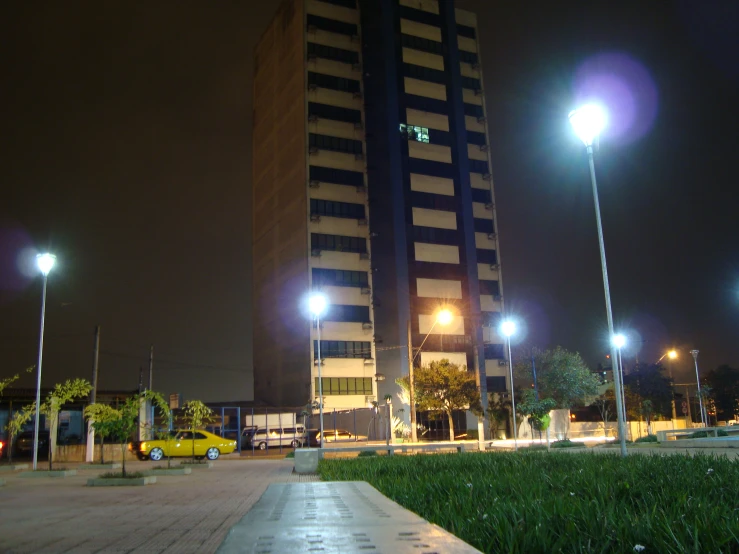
(318, 304)
(44, 262)
(588, 122)
(443, 317)
(698, 381)
(508, 328)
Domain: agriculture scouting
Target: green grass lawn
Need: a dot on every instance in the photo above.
(554, 502)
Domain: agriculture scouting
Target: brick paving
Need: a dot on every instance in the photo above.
(179, 514)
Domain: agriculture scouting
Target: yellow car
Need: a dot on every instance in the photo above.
(180, 444)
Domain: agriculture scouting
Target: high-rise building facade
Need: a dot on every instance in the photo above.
(372, 184)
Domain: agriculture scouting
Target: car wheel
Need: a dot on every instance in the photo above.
(262, 446)
(294, 444)
(212, 453)
(156, 454)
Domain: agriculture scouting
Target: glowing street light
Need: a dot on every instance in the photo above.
(672, 354)
(508, 328)
(588, 122)
(619, 341)
(317, 304)
(44, 262)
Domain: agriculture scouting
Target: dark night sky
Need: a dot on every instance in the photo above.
(126, 149)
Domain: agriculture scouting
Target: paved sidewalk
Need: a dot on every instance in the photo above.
(178, 514)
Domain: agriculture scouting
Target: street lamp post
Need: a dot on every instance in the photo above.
(588, 122)
(318, 304)
(509, 328)
(619, 341)
(444, 317)
(698, 381)
(45, 262)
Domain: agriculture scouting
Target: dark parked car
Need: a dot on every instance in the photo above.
(24, 443)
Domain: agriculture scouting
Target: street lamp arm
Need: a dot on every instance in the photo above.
(424, 341)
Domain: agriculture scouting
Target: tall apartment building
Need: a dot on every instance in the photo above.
(372, 183)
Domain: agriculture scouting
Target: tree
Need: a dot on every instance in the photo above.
(5, 383)
(648, 382)
(536, 410)
(102, 418)
(498, 412)
(724, 383)
(196, 414)
(444, 387)
(606, 406)
(162, 433)
(15, 425)
(61, 394)
(562, 376)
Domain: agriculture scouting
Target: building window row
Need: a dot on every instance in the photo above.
(338, 243)
(473, 137)
(424, 73)
(420, 16)
(482, 195)
(343, 3)
(425, 104)
(471, 83)
(438, 270)
(331, 25)
(484, 225)
(339, 278)
(495, 384)
(485, 256)
(343, 349)
(443, 343)
(473, 110)
(491, 319)
(468, 57)
(494, 352)
(430, 167)
(334, 144)
(466, 31)
(333, 386)
(334, 113)
(478, 166)
(412, 132)
(334, 83)
(336, 176)
(422, 44)
(331, 208)
(489, 287)
(432, 201)
(332, 53)
(433, 235)
(347, 313)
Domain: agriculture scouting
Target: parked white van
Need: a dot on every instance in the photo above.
(264, 437)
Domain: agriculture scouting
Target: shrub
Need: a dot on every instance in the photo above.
(290, 454)
(120, 475)
(367, 454)
(566, 443)
(648, 438)
(560, 502)
(704, 434)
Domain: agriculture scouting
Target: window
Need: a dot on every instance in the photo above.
(426, 104)
(335, 113)
(483, 225)
(330, 208)
(345, 385)
(432, 201)
(473, 110)
(479, 166)
(471, 83)
(420, 16)
(424, 73)
(343, 349)
(473, 137)
(495, 384)
(344, 3)
(432, 235)
(422, 44)
(335, 144)
(481, 195)
(335, 83)
(331, 25)
(347, 313)
(336, 176)
(428, 167)
(468, 57)
(487, 256)
(494, 352)
(443, 138)
(434, 270)
(338, 243)
(491, 319)
(332, 53)
(466, 31)
(200, 436)
(489, 287)
(411, 132)
(339, 278)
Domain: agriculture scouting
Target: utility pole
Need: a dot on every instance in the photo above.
(411, 399)
(151, 367)
(90, 450)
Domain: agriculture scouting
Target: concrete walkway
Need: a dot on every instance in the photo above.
(178, 514)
